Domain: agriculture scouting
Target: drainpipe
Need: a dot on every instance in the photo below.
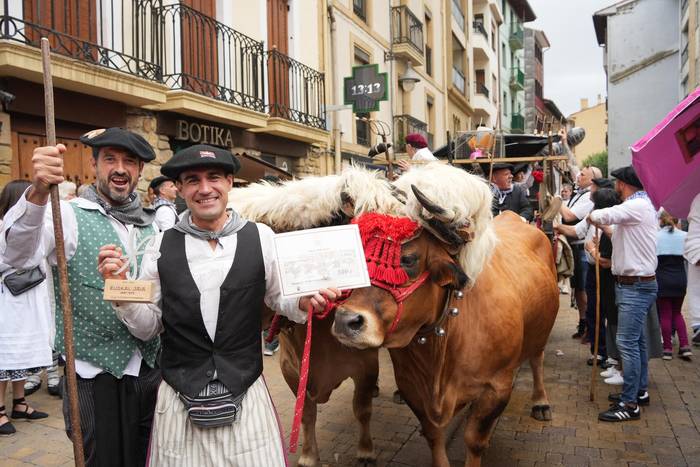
(337, 131)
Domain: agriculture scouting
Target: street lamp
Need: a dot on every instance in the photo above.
(408, 78)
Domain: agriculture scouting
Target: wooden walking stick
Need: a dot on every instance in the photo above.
(597, 314)
(66, 305)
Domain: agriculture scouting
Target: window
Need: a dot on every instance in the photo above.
(504, 102)
(360, 9)
(538, 89)
(493, 36)
(538, 53)
(362, 133)
(428, 44)
(456, 124)
(430, 119)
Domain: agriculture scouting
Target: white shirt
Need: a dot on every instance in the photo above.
(634, 235)
(423, 154)
(28, 228)
(580, 205)
(692, 240)
(209, 268)
(166, 217)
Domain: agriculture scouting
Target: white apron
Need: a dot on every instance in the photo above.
(254, 440)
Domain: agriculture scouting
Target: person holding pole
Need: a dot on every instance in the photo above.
(117, 377)
(211, 275)
(634, 264)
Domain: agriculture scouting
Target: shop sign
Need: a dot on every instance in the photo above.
(203, 134)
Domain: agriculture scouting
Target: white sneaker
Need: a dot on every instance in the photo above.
(612, 362)
(610, 372)
(615, 380)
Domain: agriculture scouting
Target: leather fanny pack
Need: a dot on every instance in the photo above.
(23, 280)
(214, 406)
(634, 279)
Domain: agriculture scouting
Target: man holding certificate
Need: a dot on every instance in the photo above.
(211, 274)
(117, 379)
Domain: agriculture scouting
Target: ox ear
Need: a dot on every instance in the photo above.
(347, 204)
(447, 273)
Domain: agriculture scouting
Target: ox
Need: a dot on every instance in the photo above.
(487, 302)
(308, 203)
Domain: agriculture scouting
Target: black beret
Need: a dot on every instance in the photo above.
(628, 175)
(119, 138)
(517, 168)
(200, 155)
(158, 181)
(603, 183)
(496, 166)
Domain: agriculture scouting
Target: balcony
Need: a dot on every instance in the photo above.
(407, 35)
(516, 36)
(127, 57)
(405, 125)
(482, 89)
(168, 57)
(517, 79)
(458, 14)
(458, 80)
(517, 123)
(479, 28)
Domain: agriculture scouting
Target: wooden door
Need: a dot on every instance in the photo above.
(278, 66)
(200, 35)
(76, 160)
(75, 18)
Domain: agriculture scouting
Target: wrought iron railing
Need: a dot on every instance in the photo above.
(407, 28)
(202, 55)
(458, 14)
(482, 89)
(405, 125)
(297, 92)
(516, 36)
(97, 36)
(479, 27)
(173, 44)
(458, 80)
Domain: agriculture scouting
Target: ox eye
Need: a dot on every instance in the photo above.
(409, 261)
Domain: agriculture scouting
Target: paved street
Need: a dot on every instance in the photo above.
(667, 435)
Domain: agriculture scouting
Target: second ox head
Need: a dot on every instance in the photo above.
(412, 268)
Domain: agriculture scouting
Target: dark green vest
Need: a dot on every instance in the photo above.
(99, 336)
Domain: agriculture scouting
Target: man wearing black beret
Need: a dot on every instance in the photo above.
(507, 196)
(634, 264)
(211, 273)
(117, 379)
(165, 193)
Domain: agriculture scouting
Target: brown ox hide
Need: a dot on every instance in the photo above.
(331, 364)
(504, 320)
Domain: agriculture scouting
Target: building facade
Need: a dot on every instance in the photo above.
(594, 119)
(643, 70)
(179, 73)
(512, 40)
(536, 43)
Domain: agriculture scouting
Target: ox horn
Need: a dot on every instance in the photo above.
(441, 224)
(347, 204)
(438, 212)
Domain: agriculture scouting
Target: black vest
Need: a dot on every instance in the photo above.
(189, 358)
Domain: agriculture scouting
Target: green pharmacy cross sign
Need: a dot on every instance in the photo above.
(365, 88)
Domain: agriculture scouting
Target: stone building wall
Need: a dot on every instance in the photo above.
(145, 124)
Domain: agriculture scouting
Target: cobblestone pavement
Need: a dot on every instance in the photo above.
(667, 434)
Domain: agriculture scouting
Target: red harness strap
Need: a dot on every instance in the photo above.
(400, 294)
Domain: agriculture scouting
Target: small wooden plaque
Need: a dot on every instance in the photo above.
(128, 291)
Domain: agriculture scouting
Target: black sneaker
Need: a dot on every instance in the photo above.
(696, 336)
(642, 397)
(620, 412)
(685, 353)
(580, 331)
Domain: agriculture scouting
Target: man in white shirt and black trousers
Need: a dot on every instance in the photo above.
(576, 209)
(212, 275)
(117, 378)
(164, 203)
(634, 264)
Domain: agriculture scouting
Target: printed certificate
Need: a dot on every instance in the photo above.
(309, 260)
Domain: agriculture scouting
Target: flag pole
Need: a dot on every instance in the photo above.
(66, 305)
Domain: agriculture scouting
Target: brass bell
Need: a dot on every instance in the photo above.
(453, 311)
(422, 340)
(459, 294)
(440, 332)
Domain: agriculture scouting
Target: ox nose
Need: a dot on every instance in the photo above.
(348, 322)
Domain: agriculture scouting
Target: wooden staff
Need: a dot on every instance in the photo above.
(72, 384)
(597, 314)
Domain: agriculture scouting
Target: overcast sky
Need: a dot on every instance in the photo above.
(573, 66)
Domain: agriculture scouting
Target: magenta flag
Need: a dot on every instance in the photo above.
(667, 159)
